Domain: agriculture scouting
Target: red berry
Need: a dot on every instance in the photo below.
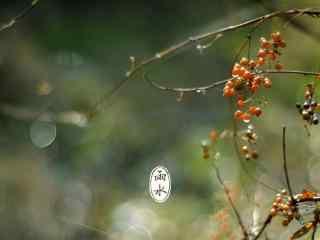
(279, 66)
(240, 103)
(229, 84)
(272, 55)
(228, 91)
(258, 111)
(238, 114)
(252, 110)
(260, 61)
(247, 75)
(257, 80)
(267, 82)
(282, 44)
(276, 36)
(252, 63)
(244, 61)
(262, 53)
(264, 43)
(235, 70)
(254, 88)
(241, 71)
(245, 117)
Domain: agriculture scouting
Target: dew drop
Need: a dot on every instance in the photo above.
(180, 96)
(43, 134)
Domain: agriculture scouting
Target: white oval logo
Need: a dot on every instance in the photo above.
(160, 184)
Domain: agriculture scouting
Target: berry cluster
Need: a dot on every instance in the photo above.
(250, 137)
(283, 206)
(310, 105)
(286, 207)
(206, 144)
(247, 79)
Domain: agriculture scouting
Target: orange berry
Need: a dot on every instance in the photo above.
(235, 71)
(252, 63)
(285, 222)
(282, 44)
(228, 91)
(245, 117)
(257, 80)
(213, 135)
(262, 53)
(278, 199)
(276, 36)
(229, 84)
(244, 61)
(238, 82)
(258, 111)
(318, 77)
(267, 82)
(241, 71)
(279, 66)
(260, 61)
(272, 55)
(273, 212)
(254, 88)
(248, 75)
(252, 110)
(206, 155)
(238, 114)
(240, 103)
(264, 43)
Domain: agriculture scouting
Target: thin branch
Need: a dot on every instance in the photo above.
(19, 16)
(285, 168)
(263, 228)
(313, 237)
(226, 190)
(195, 40)
(222, 82)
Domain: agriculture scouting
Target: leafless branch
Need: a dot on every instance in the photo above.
(222, 82)
(19, 16)
(226, 190)
(285, 168)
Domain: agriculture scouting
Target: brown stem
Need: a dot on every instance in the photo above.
(263, 228)
(226, 190)
(285, 167)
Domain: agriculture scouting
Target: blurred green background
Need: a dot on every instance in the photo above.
(63, 176)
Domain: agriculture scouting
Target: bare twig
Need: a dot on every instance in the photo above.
(313, 237)
(285, 168)
(222, 82)
(195, 40)
(263, 228)
(226, 190)
(19, 16)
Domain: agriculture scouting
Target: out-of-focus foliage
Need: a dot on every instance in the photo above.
(63, 176)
